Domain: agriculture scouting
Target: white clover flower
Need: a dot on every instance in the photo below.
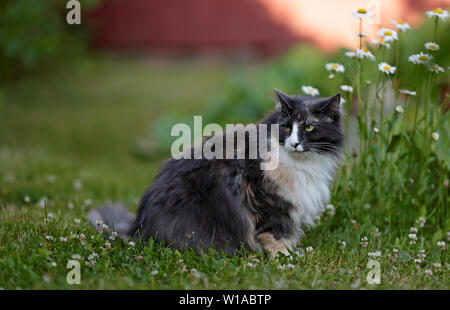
(87, 202)
(420, 58)
(386, 68)
(437, 265)
(399, 109)
(107, 245)
(113, 236)
(131, 244)
(62, 239)
(421, 220)
(428, 272)
(342, 244)
(311, 91)
(381, 42)
(347, 88)
(309, 249)
(27, 199)
(432, 46)
(413, 238)
(364, 53)
(331, 76)
(98, 222)
(70, 205)
(77, 221)
(330, 209)
(93, 256)
(81, 236)
(364, 242)
(439, 13)
(350, 54)
(53, 264)
(421, 254)
(251, 265)
(417, 261)
(413, 230)
(343, 100)
(376, 130)
(334, 67)
(77, 185)
(362, 13)
(104, 227)
(374, 254)
(435, 68)
(401, 25)
(441, 244)
(49, 238)
(388, 35)
(76, 256)
(407, 92)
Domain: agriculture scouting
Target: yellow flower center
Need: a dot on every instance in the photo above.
(381, 41)
(400, 22)
(432, 47)
(386, 67)
(334, 66)
(365, 50)
(364, 11)
(387, 33)
(435, 136)
(423, 58)
(439, 11)
(434, 68)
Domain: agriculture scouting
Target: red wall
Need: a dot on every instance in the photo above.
(188, 25)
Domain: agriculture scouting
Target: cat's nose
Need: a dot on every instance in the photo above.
(295, 144)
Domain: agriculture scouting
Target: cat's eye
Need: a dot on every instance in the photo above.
(287, 128)
(309, 128)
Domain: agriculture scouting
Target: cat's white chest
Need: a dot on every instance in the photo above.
(304, 182)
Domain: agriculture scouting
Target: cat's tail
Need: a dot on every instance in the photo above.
(112, 217)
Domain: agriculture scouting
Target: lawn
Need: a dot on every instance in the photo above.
(67, 141)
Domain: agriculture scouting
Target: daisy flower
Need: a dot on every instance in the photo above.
(407, 92)
(309, 90)
(362, 13)
(435, 136)
(440, 13)
(388, 35)
(364, 53)
(435, 68)
(347, 88)
(381, 42)
(401, 25)
(386, 68)
(334, 66)
(432, 46)
(420, 58)
(350, 54)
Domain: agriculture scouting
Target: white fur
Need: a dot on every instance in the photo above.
(310, 175)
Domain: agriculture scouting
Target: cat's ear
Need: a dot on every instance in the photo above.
(285, 101)
(329, 107)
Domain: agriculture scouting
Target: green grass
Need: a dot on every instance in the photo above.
(82, 125)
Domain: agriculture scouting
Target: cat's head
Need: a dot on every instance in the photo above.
(309, 124)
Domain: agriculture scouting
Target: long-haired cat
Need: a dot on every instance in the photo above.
(229, 203)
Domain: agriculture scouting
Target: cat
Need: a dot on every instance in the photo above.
(228, 204)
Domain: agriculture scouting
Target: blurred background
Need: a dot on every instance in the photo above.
(109, 90)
